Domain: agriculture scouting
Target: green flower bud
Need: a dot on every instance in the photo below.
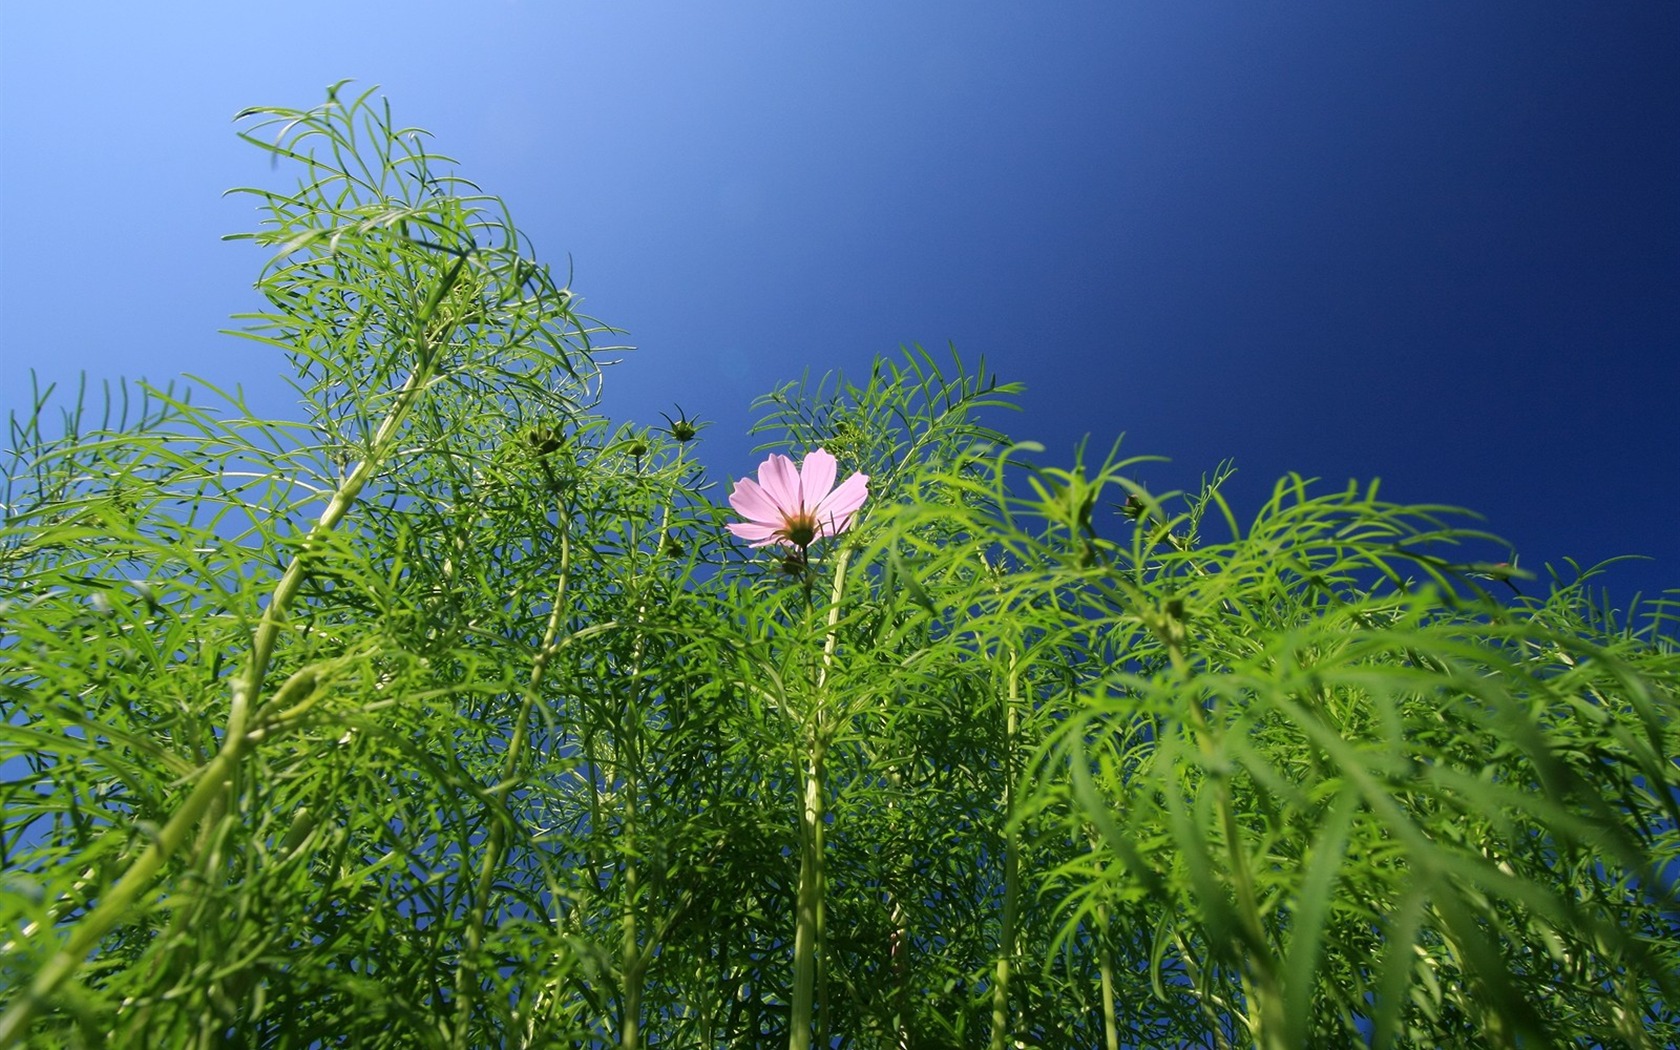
(682, 428)
(544, 440)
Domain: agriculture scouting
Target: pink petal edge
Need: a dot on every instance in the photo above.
(816, 478)
(753, 503)
(780, 481)
(845, 500)
(757, 535)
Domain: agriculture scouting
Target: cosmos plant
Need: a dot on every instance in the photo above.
(453, 714)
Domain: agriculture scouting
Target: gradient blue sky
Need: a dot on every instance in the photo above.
(1436, 243)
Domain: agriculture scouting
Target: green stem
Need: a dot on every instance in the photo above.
(808, 917)
(1008, 945)
(1261, 987)
(632, 959)
(466, 971)
(810, 910)
(1105, 964)
(899, 957)
(630, 954)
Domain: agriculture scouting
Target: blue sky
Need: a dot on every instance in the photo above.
(1436, 243)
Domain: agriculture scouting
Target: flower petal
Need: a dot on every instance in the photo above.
(755, 534)
(753, 503)
(816, 477)
(780, 482)
(834, 514)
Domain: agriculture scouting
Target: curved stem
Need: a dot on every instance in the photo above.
(217, 781)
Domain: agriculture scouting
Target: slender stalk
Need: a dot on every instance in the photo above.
(630, 961)
(1261, 988)
(809, 909)
(1105, 965)
(633, 960)
(900, 959)
(898, 948)
(807, 928)
(1009, 941)
(830, 643)
(1200, 983)
(466, 971)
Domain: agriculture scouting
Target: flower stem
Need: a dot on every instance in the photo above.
(808, 915)
(809, 908)
(466, 972)
(1008, 945)
(633, 959)
(1105, 965)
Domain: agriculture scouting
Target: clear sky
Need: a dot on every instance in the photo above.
(1432, 242)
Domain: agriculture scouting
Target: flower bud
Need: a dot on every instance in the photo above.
(682, 428)
(544, 440)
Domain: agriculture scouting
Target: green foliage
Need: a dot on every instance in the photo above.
(451, 716)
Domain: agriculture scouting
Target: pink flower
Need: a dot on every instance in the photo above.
(796, 507)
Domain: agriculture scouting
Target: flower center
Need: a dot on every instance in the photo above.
(800, 529)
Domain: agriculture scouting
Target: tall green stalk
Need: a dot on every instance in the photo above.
(1262, 992)
(1105, 970)
(466, 971)
(633, 958)
(1008, 941)
(809, 907)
